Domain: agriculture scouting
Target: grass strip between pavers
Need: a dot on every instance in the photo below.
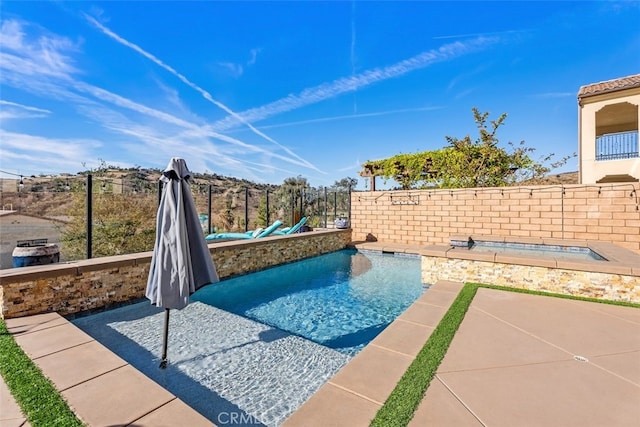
(39, 400)
(399, 408)
(405, 398)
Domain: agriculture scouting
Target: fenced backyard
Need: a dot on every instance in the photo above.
(119, 216)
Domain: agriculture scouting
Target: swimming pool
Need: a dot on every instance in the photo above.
(260, 345)
(530, 249)
(340, 300)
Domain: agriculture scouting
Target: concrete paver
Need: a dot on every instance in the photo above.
(507, 346)
(119, 397)
(47, 341)
(629, 314)
(626, 365)
(440, 407)
(174, 413)
(569, 324)
(23, 325)
(10, 413)
(404, 337)
(332, 406)
(437, 297)
(565, 393)
(373, 373)
(78, 364)
(424, 314)
(512, 362)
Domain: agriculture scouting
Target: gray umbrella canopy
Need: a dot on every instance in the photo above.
(181, 262)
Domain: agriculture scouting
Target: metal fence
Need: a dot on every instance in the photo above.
(620, 145)
(106, 216)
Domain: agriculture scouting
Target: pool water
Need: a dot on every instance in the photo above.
(256, 347)
(526, 249)
(340, 300)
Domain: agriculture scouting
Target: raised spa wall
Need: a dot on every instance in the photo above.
(616, 279)
(91, 284)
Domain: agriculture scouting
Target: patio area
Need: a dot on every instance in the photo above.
(517, 359)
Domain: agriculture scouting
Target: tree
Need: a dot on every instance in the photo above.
(465, 162)
(121, 225)
(481, 163)
(262, 212)
(345, 184)
(292, 188)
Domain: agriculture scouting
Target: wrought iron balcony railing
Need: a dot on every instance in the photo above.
(620, 145)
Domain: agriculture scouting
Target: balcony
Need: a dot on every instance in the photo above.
(615, 146)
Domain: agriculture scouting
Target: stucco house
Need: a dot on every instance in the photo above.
(608, 131)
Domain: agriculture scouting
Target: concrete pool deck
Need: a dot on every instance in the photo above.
(517, 359)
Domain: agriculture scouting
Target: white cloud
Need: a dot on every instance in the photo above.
(253, 55)
(235, 70)
(12, 110)
(24, 107)
(463, 94)
(43, 154)
(350, 116)
(349, 84)
(46, 55)
(131, 120)
(206, 95)
(474, 35)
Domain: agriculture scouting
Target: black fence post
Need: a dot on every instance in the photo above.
(267, 202)
(335, 205)
(349, 204)
(89, 215)
(246, 209)
(209, 231)
(326, 207)
(301, 202)
(318, 209)
(293, 207)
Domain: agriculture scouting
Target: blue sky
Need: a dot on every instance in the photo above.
(270, 90)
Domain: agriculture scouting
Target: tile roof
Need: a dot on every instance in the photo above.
(609, 86)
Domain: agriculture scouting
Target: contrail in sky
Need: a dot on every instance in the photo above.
(206, 95)
(349, 84)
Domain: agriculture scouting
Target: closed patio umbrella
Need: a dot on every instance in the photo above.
(181, 261)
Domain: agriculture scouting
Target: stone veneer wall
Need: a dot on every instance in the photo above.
(100, 282)
(604, 212)
(615, 287)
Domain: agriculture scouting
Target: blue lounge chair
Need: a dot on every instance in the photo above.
(256, 234)
(291, 230)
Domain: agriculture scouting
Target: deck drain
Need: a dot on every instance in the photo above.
(581, 358)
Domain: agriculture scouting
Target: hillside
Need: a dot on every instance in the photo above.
(54, 197)
(565, 178)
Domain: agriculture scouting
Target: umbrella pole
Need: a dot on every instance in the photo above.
(163, 363)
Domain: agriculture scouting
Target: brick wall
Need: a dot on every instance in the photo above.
(83, 285)
(605, 212)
